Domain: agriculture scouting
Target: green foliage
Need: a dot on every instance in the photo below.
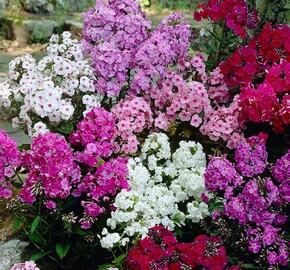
(178, 4)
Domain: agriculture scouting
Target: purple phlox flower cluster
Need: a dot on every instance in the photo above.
(100, 187)
(281, 172)
(51, 169)
(96, 133)
(256, 203)
(167, 44)
(133, 115)
(220, 174)
(251, 157)
(10, 160)
(112, 33)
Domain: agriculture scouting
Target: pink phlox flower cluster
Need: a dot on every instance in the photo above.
(10, 160)
(30, 265)
(133, 116)
(223, 123)
(218, 90)
(96, 134)
(52, 171)
(101, 187)
(176, 99)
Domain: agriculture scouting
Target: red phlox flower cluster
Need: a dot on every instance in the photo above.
(160, 250)
(234, 12)
(248, 63)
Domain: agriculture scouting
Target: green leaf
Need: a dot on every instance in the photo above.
(17, 223)
(35, 238)
(35, 224)
(39, 255)
(62, 250)
(120, 259)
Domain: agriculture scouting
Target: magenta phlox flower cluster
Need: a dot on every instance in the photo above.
(133, 115)
(51, 169)
(255, 201)
(96, 134)
(101, 187)
(10, 160)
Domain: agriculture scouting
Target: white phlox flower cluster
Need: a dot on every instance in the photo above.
(49, 91)
(161, 184)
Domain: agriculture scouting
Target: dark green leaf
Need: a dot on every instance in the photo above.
(39, 255)
(35, 224)
(65, 128)
(62, 250)
(17, 223)
(105, 266)
(249, 266)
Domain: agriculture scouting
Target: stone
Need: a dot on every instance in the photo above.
(3, 5)
(75, 6)
(38, 6)
(10, 253)
(39, 31)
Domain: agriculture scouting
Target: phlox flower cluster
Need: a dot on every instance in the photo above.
(269, 102)
(29, 265)
(161, 250)
(159, 181)
(49, 90)
(202, 100)
(250, 62)
(133, 115)
(254, 198)
(96, 135)
(168, 43)
(124, 51)
(112, 34)
(52, 171)
(235, 13)
(101, 188)
(10, 160)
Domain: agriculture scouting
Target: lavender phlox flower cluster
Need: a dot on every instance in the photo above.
(112, 33)
(51, 170)
(10, 160)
